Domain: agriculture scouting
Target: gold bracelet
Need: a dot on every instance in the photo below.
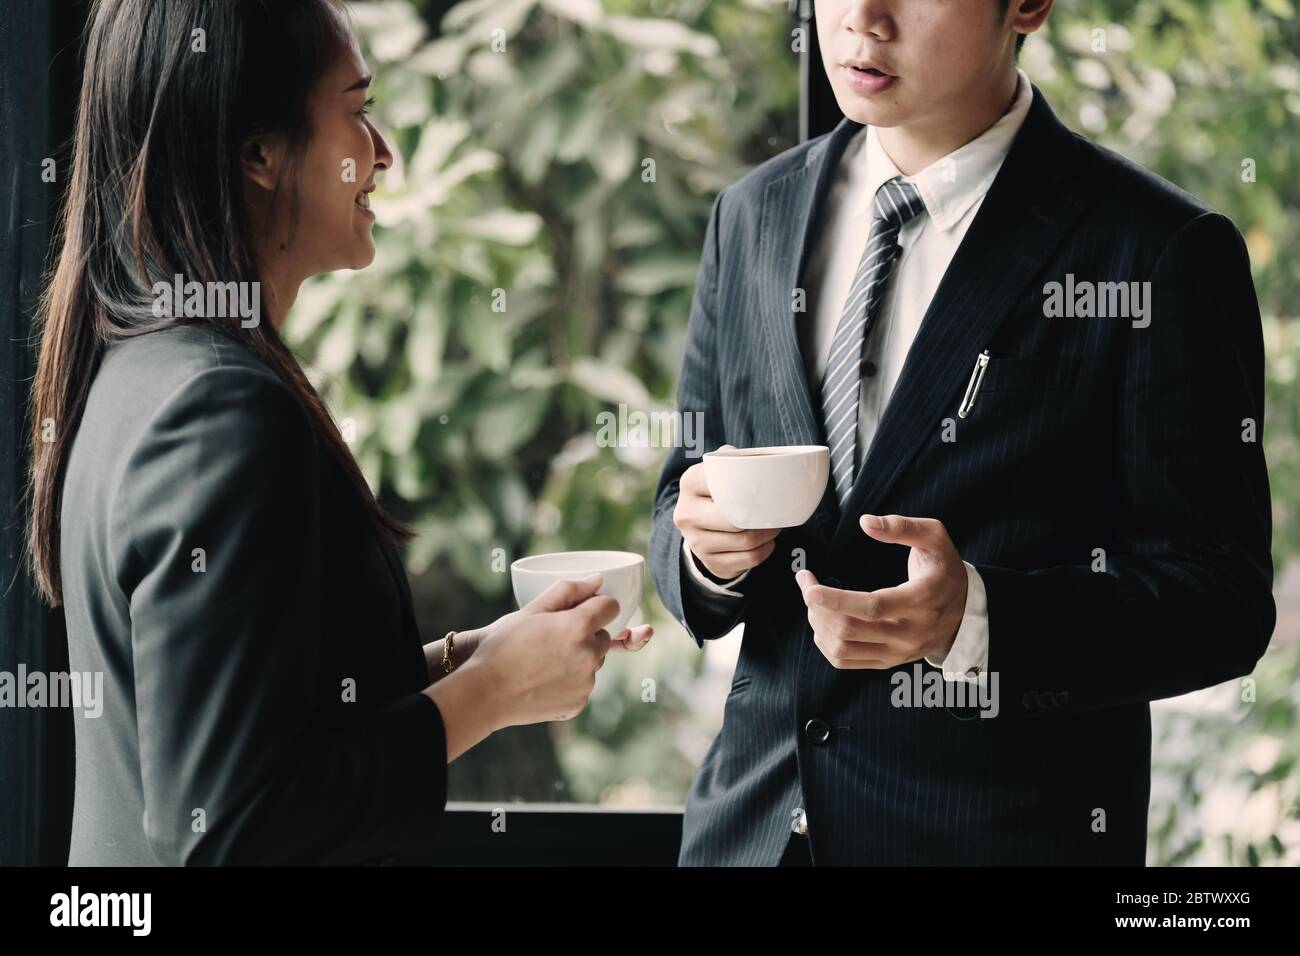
(448, 645)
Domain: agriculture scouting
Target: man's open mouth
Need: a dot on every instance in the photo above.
(867, 78)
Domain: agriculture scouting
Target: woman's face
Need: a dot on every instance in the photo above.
(342, 156)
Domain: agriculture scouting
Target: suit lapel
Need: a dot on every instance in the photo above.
(1021, 221)
(787, 231)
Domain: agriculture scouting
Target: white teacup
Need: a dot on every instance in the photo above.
(774, 487)
(621, 571)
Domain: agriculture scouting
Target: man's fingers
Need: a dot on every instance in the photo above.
(711, 518)
(692, 481)
(869, 606)
(805, 579)
(721, 542)
(729, 564)
(862, 665)
(924, 533)
(853, 652)
(830, 624)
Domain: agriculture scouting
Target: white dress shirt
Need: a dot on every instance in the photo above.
(952, 189)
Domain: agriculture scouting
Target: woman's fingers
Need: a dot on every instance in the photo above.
(595, 612)
(633, 639)
(564, 595)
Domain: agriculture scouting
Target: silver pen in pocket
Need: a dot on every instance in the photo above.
(973, 386)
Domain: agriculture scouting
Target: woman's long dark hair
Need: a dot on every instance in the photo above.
(171, 90)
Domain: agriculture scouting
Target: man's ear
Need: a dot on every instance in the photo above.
(260, 158)
(1028, 15)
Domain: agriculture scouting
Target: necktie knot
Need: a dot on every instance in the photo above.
(898, 202)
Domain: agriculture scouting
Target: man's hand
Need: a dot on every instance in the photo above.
(882, 629)
(723, 549)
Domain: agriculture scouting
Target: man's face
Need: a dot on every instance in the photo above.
(912, 63)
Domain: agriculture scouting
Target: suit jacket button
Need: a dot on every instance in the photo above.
(817, 730)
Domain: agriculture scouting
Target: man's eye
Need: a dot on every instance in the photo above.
(365, 107)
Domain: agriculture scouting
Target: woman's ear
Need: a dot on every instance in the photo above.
(260, 158)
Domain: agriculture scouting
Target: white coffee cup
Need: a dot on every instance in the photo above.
(774, 487)
(621, 571)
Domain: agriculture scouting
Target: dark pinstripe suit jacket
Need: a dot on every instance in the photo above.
(1087, 434)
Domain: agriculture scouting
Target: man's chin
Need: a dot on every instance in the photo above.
(868, 112)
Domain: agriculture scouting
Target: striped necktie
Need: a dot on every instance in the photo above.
(897, 202)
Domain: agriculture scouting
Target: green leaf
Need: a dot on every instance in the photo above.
(654, 274)
(486, 335)
(500, 225)
(610, 383)
(508, 421)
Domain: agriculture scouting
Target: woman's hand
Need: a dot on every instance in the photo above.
(630, 640)
(536, 664)
(544, 657)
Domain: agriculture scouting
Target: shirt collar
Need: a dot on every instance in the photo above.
(951, 185)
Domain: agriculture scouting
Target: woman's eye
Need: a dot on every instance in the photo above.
(365, 107)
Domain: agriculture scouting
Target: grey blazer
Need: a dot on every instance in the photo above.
(261, 663)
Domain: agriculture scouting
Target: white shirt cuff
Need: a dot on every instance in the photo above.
(705, 582)
(968, 658)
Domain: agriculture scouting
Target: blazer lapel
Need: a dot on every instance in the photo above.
(787, 228)
(1022, 219)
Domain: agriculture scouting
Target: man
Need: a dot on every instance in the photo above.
(1039, 372)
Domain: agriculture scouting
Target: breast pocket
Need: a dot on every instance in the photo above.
(1036, 421)
(1031, 374)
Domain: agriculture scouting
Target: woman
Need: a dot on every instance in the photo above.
(220, 557)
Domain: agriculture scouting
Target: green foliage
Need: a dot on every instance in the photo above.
(561, 162)
(1225, 790)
